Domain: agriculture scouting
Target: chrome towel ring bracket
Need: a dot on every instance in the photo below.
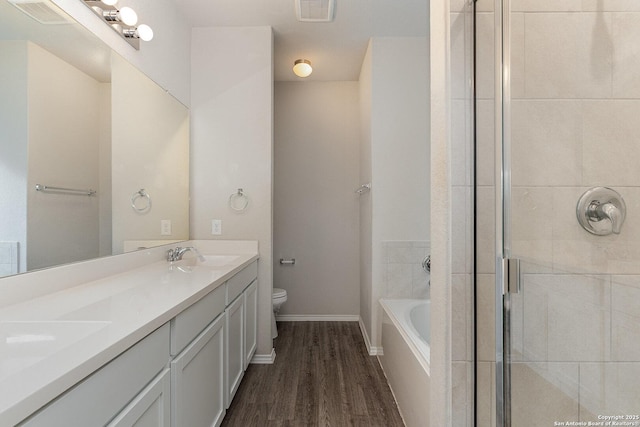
(141, 201)
(238, 201)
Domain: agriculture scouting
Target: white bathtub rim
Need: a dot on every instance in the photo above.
(420, 349)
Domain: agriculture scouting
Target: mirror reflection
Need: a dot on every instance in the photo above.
(77, 117)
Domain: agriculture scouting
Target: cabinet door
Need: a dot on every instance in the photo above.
(197, 377)
(250, 322)
(235, 342)
(151, 408)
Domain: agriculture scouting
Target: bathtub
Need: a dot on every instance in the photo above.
(405, 356)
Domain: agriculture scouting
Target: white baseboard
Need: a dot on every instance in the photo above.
(373, 351)
(264, 359)
(318, 318)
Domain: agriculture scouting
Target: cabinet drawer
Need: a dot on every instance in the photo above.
(151, 407)
(99, 397)
(188, 324)
(237, 283)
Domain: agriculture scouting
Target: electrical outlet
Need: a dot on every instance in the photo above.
(216, 227)
(165, 227)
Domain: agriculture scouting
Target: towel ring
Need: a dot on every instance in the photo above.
(238, 201)
(141, 194)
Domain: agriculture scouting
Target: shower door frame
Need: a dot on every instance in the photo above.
(502, 109)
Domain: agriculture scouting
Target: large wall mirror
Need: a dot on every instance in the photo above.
(75, 116)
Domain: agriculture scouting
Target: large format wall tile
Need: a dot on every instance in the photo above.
(611, 150)
(485, 317)
(546, 5)
(568, 55)
(485, 57)
(546, 143)
(608, 389)
(485, 230)
(543, 393)
(626, 55)
(611, 5)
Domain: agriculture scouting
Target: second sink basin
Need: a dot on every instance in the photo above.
(25, 343)
(214, 261)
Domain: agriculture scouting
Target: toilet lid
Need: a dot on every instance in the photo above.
(279, 292)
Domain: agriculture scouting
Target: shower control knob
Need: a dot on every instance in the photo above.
(601, 211)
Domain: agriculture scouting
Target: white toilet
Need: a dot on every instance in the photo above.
(278, 297)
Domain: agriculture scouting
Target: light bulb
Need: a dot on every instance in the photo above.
(145, 32)
(109, 2)
(302, 68)
(128, 16)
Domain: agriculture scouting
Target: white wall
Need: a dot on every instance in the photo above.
(315, 207)
(63, 147)
(149, 150)
(365, 87)
(232, 145)
(165, 59)
(13, 148)
(399, 141)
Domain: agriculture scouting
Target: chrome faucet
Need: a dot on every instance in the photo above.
(177, 253)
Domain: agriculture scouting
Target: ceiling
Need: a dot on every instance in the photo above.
(335, 49)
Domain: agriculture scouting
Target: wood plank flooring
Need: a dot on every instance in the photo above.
(322, 377)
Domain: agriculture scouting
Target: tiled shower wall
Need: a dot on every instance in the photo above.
(575, 103)
(404, 276)
(462, 173)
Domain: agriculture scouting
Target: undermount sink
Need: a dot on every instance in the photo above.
(25, 343)
(213, 261)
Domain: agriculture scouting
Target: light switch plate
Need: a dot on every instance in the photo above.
(165, 227)
(216, 227)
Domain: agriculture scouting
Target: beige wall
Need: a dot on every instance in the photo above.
(13, 161)
(232, 145)
(63, 152)
(316, 217)
(150, 151)
(365, 87)
(398, 139)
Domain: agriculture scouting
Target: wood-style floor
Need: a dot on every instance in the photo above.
(322, 376)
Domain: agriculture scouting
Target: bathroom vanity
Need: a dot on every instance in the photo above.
(161, 344)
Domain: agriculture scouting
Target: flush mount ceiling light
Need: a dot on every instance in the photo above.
(302, 68)
(122, 20)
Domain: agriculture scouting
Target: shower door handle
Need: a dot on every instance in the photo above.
(511, 275)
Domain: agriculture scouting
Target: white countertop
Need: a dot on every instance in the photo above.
(49, 343)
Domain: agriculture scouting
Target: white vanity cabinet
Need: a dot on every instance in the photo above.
(250, 296)
(197, 377)
(235, 314)
(234, 371)
(115, 387)
(184, 374)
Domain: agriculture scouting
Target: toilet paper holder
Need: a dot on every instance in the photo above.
(291, 261)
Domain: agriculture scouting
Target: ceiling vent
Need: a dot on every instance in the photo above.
(315, 10)
(42, 11)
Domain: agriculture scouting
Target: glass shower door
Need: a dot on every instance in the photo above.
(569, 316)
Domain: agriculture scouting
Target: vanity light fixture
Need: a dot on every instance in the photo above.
(142, 32)
(302, 68)
(123, 21)
(126, 15)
